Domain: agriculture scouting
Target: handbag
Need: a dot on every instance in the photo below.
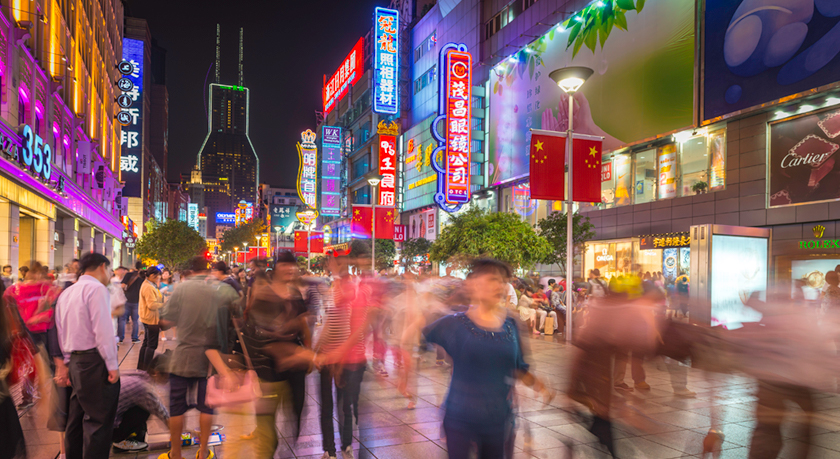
(249, 384)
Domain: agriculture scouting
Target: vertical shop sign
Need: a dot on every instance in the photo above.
(386, 195)
(455, 111)
(331, 170)
(308, 169)
(667, 171)
(399, 233)
(131, 139)
(386, 95)
(192, 215)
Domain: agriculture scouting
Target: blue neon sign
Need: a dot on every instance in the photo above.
(386, 94)
(331, 171)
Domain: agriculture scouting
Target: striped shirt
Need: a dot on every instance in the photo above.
(336, 329)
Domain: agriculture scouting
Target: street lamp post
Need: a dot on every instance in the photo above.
(245, 250)
(373, 181)
(277, 230)
(259, 245)
(236, 253)
(570, 79)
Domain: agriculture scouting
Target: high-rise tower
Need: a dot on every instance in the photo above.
(229, 165)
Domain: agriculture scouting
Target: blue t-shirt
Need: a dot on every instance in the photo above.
(484, 370)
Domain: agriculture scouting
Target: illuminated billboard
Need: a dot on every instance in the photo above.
(308, 169)
(330, 171)
(388, 132)
(225, 218)
(192, 215)
(386, 96)
(348, 73)
(131, 139)
(454, 110)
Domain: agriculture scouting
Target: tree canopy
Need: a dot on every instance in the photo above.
(248, 232)
(553, 229)
(172, 243)
(500, 235)
(386, 250)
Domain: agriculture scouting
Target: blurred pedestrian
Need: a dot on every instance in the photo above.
(151, 300)
(131, 284)
(199, 309)
(86, 338)
(34, 298)
(487, 355)
(14, 444)
(7, 277)
(138, 400)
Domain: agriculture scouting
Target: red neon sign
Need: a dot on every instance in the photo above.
(458, 136)
(387, 169)
(348, 73)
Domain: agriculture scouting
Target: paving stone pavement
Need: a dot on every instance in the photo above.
(651, 424)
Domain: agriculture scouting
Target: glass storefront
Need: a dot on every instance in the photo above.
(667, 254)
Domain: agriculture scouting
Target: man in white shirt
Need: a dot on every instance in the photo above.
(86, 337)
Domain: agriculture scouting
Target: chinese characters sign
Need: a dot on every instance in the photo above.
(347, 75)
(455, 111)
(131, 139)
(308, 169)
(331, 170)
(386, 94)
(399, 233)
(387, 169)
(192, 215)
(664, 241)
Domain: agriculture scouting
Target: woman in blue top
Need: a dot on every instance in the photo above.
(486, 352)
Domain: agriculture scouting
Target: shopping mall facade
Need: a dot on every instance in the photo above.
(59, 141)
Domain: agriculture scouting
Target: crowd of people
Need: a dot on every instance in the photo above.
(243, 340)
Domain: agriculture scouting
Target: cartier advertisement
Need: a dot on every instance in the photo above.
(804, 164)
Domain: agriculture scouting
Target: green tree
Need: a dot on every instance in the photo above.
(553, 229)
(500, 235)
(413, 248)
(247, 232)
(386, 250)
(172, 243)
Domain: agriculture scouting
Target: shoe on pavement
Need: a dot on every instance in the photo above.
(347, 453)
(328, 455)
(135, 341)
(131, 445)
(166, 455)
(210, 454)
(624, 387)
(684, 393)
(642, 385)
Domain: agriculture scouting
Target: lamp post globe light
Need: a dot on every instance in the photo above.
(236, 253)
(245, 251)
(373, 182)
(570, 80)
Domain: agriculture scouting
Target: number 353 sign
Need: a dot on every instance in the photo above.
(35, 153)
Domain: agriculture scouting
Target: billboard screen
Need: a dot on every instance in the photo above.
(225, 218)
(758, 52)
(348, 73)
(308, 169)
(739, 270)
(131, 161)
(654, 56)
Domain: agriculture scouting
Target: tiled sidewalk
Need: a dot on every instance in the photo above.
(670, 427)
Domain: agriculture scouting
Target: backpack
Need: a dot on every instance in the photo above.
(597, 288)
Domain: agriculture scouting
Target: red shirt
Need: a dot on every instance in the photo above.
(27, 298)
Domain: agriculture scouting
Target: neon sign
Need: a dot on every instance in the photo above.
(225, 218)
(387, 163)
(192, 219)
(455, 111)
(131, 138)
(308, 169)
(386, 47)
(348, 73)
(330, 170)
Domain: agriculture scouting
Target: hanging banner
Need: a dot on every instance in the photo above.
(387, 163)
(386, 76)
(83, 157)
(667, 171)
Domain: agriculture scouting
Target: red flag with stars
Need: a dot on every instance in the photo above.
(548, 165)
(316, 242)
(586, 186)
(362, 223)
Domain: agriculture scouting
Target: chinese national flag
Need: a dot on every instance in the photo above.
(385, 217)
(548, 165)
(586, 186)
(362, 226)
(316, 244)
(362, 223)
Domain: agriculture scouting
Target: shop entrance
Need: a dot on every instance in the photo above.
(26, 240)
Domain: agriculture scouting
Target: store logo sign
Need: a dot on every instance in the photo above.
(819, 230)
(605, 256)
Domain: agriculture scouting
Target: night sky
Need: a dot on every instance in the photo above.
(289, 46)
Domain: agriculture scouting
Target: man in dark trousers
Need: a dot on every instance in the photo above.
(86, 339)
(131, 283)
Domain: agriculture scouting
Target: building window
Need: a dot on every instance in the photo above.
(362, 195)
(527, 4)
(503, 18)
(361, 166)
(477, 124)
(429, 77)
(427, 45)
(477, 102)
(644, 183)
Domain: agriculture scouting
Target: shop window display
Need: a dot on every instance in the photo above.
(644, 183)
(694, 165)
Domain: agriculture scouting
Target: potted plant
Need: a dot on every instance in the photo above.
(699, 187)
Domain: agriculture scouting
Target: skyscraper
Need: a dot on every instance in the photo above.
(227, 154)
